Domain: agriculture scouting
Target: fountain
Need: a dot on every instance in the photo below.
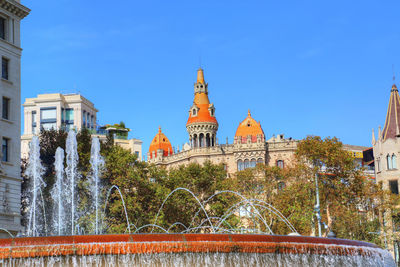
(35, 171)
(222, 246)
(97, 162)
(72, 177)
(58, 193)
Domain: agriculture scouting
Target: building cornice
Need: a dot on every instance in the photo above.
(15, 8)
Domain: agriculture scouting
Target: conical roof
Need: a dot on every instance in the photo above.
(202, 103)
(160, 141)
(391, 129)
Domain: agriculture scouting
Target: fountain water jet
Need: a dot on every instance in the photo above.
(58, 193)
(72, 176)
(97, 162)
(34, 171)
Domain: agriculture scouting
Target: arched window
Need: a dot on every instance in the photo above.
(280, 163)
(195, 144)
(246, 163)
(394, 161)
(194, 112)
(260, 160)
(388, 162)
(253, 163)
(240, 165)
(201, 140)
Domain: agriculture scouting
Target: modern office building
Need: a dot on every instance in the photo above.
(11, 14)
(57, 111)
(68, 111)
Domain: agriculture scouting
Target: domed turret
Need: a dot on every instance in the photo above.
(249, 129)
(202, 124)
(160, 142)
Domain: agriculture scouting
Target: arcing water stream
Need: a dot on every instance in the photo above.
(64, 195)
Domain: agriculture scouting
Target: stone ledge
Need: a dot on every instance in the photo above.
(7, 121)
(7, 81)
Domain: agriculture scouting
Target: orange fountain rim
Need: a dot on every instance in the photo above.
(25, 247)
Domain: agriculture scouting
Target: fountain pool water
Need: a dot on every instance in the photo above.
(190, 250)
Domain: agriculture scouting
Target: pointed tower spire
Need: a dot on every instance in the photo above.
(200, 76)
(202, 116)
(373, 137)
(391, 129)
(248, 113)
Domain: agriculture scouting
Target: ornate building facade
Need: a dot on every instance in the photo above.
(249, 147)
(386, 146)
(386, 149)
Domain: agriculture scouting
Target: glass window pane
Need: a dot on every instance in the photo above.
(2, 28)
(240, 165)
(389, 162)
(47, 114)
(394, 187)
(33, 116)
(69, 114)
(252, 163)
(246, 164)
(6, 108)
(279, 163)
(4, 68)
(4, 149)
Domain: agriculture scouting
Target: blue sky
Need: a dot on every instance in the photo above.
(301, 67)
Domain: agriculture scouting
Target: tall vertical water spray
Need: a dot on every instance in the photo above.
(97, 162)
(35, 171)
(58, 193)
(72, 176)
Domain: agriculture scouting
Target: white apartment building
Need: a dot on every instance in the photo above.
(11, 13)
(66, 111)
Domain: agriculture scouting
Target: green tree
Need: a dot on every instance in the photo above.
(350, 201)
(204, 181)
(138, 193)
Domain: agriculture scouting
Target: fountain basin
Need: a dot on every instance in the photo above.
(194, 249)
